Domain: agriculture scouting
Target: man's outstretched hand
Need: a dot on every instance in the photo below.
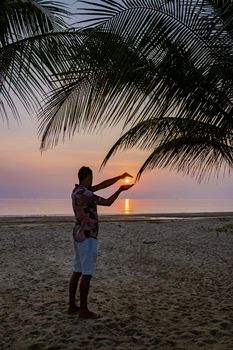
(125, 175)
(125, 187)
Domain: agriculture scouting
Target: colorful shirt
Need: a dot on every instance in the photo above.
(84, 204)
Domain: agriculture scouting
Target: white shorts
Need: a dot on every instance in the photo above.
(85, 255)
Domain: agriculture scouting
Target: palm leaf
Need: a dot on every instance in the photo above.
(155, 48)
(197, 157)
(136, 88)
(24, 18)
(28, 51)
(147, 60)
(188, 146)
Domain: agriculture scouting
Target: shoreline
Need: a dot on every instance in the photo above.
(120, 217)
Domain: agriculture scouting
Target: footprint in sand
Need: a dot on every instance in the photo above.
(145, 241)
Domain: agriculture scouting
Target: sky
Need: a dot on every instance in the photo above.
(26, 173)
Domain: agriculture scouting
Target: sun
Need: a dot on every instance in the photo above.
(127, 181)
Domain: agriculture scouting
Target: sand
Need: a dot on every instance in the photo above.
(160, 284)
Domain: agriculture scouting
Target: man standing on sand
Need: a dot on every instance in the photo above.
(85, 234)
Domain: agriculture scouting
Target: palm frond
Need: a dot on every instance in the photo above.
(30, 51)
(191, 147)
(131, 87)
(163, 45)
(197, 157)
(148, 60)
(24, 18)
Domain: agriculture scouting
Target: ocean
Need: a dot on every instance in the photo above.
(41, 207)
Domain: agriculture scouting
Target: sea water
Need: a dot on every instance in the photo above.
(62, 206)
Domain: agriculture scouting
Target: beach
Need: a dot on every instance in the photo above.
(161, 283)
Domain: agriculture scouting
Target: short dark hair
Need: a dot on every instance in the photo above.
(84, 172)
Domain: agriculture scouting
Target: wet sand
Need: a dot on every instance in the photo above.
(160, 284)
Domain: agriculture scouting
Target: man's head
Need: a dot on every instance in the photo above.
(85, 176)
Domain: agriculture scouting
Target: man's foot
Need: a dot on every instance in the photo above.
(73, 309)
(88, 314)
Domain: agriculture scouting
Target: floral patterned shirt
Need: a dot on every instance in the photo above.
(84, 204)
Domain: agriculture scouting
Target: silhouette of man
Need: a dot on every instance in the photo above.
(85, 233)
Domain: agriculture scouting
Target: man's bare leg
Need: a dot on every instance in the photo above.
(84, 290)
(72, 292)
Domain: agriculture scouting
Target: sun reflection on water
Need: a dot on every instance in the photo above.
(127, 206)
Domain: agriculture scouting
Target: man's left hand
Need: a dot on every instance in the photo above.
(125, 175)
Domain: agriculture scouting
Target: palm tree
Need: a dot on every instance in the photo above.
(29, 50)
(162, 66)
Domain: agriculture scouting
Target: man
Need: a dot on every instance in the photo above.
(85, 233)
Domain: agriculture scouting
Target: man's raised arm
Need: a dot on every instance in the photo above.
(108, 201)
(109, 182)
